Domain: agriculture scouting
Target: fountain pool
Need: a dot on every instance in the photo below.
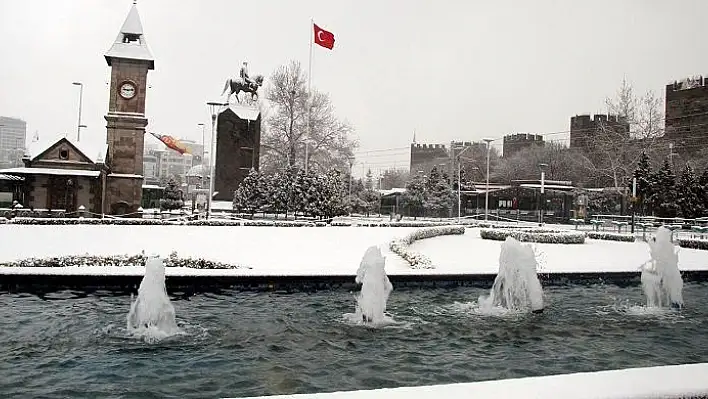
(235, 344)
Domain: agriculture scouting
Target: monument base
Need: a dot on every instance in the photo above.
(238, 143)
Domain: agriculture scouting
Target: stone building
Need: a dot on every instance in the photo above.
(238, 144)
(425, 156)
(687, 114)
(513, 143)
(13, 135)
(585, 130)
(63, 176)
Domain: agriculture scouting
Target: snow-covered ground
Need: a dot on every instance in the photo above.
(686, 380)
(306, 250)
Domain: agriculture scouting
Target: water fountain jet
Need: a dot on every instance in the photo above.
(152, 312)
(376, 287)
(661, 280)
(516, 286)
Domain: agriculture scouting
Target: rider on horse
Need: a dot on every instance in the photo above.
(244, 75)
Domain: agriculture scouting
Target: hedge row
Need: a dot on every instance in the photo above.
(416, 260)
(693, 243)
(545, 236)
(118, 260)
(600, 235)
(215, 222)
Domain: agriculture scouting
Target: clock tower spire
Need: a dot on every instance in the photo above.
(130, 59)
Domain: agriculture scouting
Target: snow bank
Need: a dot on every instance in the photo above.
(686, 380)
(416, 260)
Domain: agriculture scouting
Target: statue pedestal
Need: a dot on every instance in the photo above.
(238, 142)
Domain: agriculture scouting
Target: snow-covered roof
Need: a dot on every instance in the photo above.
(548, 187)
(392, 191)
(153, 186)
(125, 47)
(11, 177)
(197, 171)
(49, 171)
(245, 112)
(125, 176)
(96, 152)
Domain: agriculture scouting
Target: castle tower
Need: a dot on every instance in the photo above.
(130, 60)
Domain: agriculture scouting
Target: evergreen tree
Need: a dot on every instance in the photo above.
(334, 204)
(689, 194)
(276, 193)
(645, 183)
(664, 194)
(314, 194)
(172, 197)
(299, 191)
(440, 198)
(703, 184)
(250, 195)
(369, 182)
(414, 197)
(370, 200)
(433, 177)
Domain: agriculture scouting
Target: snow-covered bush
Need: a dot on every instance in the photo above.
(693, 243)
(601, 235)
(214, 222)
(119, 260)
(399, 246)
(93, 221)
(545, 236)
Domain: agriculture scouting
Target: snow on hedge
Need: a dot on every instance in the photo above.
(119, 261)
(693, 243)
(546, 236)
(601, 235)
(417, 260)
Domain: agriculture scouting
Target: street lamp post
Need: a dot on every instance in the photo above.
(213, 110)
(204, 152)
(634, 200)
(459, 182)
(486, 191)
(542, 200)
(81, 99)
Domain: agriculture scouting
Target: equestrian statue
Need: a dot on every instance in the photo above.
(244, 83)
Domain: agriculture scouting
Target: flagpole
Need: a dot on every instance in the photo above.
(309, 92)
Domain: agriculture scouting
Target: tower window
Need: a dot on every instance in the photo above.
(131, 38)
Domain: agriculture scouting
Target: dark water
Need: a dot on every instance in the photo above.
(247, 344)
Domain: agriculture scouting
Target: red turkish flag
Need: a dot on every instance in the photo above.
(324, 38)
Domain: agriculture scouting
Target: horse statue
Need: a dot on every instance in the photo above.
(238, 85)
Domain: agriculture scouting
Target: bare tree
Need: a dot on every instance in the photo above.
(394, 178)
(617, 146)
(290, 107)
(562, 164)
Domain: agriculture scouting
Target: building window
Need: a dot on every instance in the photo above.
(64, 154)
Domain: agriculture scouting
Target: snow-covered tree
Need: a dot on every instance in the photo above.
(414, 197)
(439, 197)
(330, 141)
(172, 197)
(251, 193)
(689, 194)
(645, 183)
(663, 198)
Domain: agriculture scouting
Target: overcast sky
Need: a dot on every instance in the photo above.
(450, 69)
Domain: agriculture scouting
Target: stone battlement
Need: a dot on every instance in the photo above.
(428, 147)
(688, 83)
(597, 118)
(523, 137)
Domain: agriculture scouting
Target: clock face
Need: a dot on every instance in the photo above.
(127, 90)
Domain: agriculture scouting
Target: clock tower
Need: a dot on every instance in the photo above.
(130, 60)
